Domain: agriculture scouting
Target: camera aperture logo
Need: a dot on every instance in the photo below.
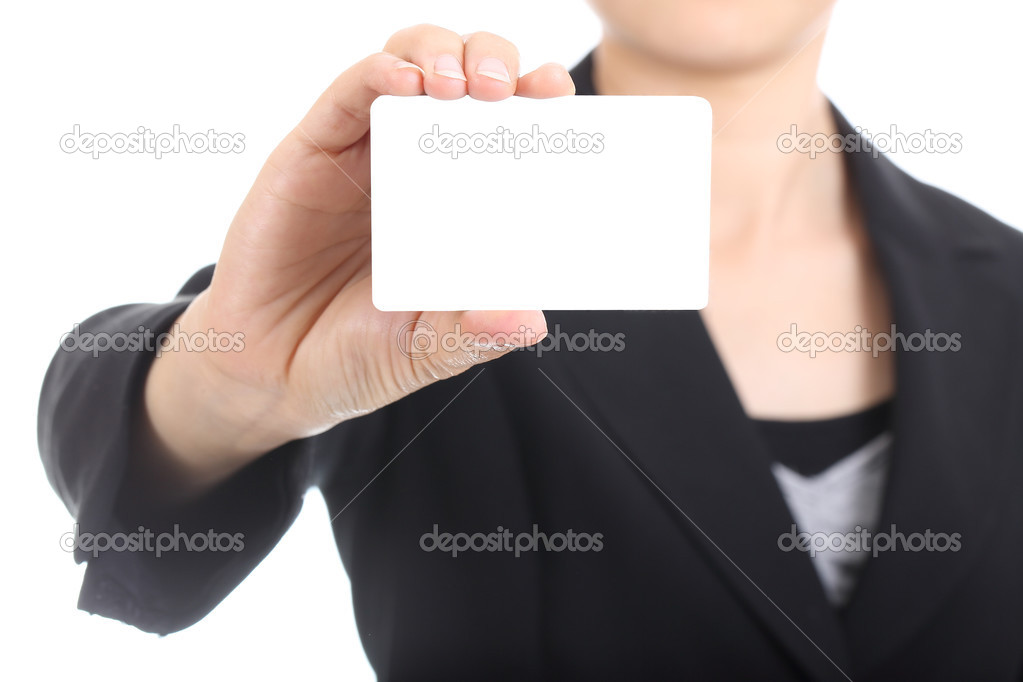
(506, 141)
(418, 340)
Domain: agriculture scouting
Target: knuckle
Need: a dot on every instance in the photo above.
(379, 58)
(488, 36)
(492, 40)
(418, 34)
(402, 36)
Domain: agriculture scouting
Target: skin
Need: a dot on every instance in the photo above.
(787, 241)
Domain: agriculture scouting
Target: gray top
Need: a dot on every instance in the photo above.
(844, 498)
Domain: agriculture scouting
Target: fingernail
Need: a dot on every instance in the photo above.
(449, 67)
(493, 68)
(409, 65)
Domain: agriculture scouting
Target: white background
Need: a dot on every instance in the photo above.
(82, 234)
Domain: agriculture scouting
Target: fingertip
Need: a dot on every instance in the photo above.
(407, 78)
(402, 64)
(548, 80)
(447, 79)
(559, 75)
(520, 327)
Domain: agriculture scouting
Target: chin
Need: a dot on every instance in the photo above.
(713, 34)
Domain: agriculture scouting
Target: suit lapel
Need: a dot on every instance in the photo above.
(948, 430)
(684, 426)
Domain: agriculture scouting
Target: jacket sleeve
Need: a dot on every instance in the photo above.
(158, 570)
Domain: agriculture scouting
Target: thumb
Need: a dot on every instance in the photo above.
(445, 344)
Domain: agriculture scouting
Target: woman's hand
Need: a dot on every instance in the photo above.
(294, 274)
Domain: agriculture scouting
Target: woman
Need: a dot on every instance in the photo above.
(642, 510)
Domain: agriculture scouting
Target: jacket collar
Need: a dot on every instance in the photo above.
(950, 435)
(941, 261)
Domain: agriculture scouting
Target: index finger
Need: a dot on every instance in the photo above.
(340, 117)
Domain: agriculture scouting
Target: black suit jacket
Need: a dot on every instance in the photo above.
(649, 447)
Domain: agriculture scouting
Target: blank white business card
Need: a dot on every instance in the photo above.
(573, 203)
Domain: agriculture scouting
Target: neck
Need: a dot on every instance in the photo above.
(755, 187)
